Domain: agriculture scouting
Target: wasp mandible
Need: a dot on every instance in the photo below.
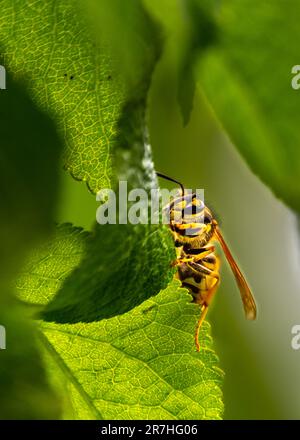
(198, 265)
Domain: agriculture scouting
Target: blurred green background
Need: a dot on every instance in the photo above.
(262, 377)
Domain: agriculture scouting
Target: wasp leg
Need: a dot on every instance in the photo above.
(179, 261)
(204, 310)
(199, 254)
(203, 252)
(200, 268)
(205, 302)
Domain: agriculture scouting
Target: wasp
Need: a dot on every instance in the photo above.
(195, 230)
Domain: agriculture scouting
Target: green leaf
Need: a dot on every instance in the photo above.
(132, 157)
(71, 74)
(247, 79)
(29, 151)
(134, 38)
(132, 160)
(25, 391)
(50, 45)
(50, 264)
(142, 364)
(115, 269)
(101, 288)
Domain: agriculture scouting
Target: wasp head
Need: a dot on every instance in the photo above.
(190, 221)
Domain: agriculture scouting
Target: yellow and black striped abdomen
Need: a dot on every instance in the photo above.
(200, 277)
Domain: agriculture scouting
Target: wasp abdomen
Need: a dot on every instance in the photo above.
(199, 277)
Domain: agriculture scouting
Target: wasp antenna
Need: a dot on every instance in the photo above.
(171, 180)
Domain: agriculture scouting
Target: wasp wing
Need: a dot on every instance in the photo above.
(246, 295)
